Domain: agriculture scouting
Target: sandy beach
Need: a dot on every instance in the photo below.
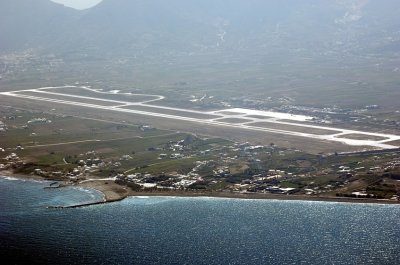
(114, 192)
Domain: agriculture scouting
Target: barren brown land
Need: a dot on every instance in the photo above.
(173, 112)
(234, 120)
(361, 137)
(397, 143)
(294, 128)
(259, 117)
(108, 96)
(229, 113)
(69, 98)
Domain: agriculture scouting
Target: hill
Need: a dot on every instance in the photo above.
(191, 26)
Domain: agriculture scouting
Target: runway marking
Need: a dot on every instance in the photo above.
(250, 116)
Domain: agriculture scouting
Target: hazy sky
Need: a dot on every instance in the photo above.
(78, 4)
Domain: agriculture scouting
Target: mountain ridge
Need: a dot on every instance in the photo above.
(127, 27)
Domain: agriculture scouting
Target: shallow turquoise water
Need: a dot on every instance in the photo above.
(168, 230)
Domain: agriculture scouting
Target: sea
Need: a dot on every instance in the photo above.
(176, 230)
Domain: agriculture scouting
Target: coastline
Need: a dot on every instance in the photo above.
(10, 173)
(114, 192)
(261, 196)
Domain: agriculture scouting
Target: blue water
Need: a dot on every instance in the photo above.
(168, 230)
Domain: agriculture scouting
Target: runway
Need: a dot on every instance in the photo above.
(248, 119)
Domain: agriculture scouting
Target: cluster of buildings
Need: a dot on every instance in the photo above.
(12, 161)
(165, 181)
(85, 167)
(3, 127)
(39, 121)
(161, 182)
(395, 164)
(176, 150)
(265, 183)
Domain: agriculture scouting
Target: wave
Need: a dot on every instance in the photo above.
(9, 178)
(24, 179)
